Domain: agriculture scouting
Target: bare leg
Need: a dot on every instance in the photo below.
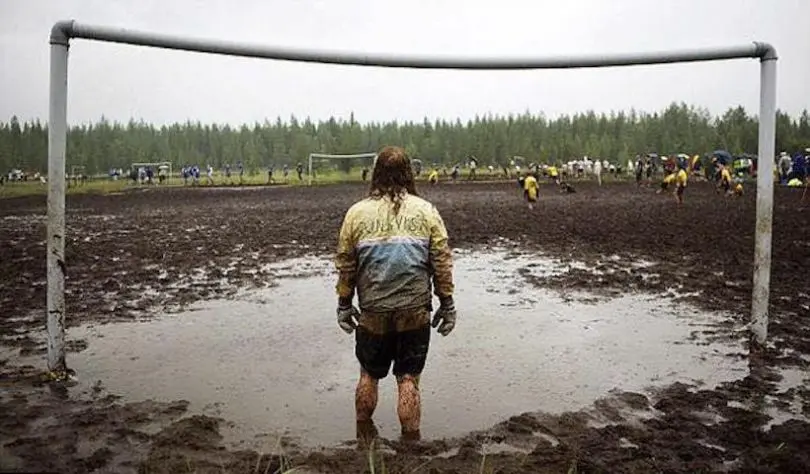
(365, 397)
(409, 406)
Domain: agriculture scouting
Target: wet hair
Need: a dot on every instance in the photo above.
(392, 176)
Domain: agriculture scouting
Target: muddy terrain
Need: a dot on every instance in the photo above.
(146, 253)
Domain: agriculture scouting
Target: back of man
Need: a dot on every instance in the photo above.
(392, 250)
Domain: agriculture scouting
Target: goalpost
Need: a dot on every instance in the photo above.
(77, 172)
(337, 157)
(62, 32)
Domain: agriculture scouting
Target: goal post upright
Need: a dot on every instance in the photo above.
(63, 31)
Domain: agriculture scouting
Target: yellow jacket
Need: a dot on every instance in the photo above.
(390, 259)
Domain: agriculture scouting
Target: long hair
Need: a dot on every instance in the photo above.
(392, 176)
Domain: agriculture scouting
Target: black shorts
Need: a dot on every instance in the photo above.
(401, 337)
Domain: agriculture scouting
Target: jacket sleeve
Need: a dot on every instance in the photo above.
(346, 259)
(441, 259)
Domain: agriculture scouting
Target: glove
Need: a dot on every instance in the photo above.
(347, 317)
(445, 316)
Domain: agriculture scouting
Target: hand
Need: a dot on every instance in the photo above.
(445, 316)
(347, 317)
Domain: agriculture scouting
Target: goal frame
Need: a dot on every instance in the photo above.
(63, 31)
(336, 157)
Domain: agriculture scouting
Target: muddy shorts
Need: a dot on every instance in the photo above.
(401, 337)
(680, 189)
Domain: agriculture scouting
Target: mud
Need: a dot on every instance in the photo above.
(242, 359)
(133, 256)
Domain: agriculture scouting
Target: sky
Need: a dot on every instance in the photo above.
(123, 82)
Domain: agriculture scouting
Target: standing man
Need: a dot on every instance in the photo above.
(785, 164)
(392, 249)
(472, 162)
(530, 189)
(597, 170)
(241, 169)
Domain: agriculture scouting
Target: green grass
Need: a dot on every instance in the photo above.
(104, 185)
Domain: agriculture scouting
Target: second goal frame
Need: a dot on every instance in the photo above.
(63, 31)
(337, 157)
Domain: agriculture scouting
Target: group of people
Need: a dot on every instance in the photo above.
(146, 175)
(793, 170)
(192, 174)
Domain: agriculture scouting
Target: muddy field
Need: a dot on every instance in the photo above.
(157, 253)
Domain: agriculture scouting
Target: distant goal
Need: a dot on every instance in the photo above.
(326, 164)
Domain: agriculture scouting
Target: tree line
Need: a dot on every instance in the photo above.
(492, 138)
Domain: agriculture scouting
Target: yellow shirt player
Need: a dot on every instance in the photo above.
(693, 165)
(530, 189)
(681, 177)
(553, 173)
(725, 178)
(433, 177)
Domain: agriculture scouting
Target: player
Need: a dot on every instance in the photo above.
(472, 163)
(597, 170)
(241, 169)
(639, 171)
(299, 168)
(681, 177)
(695, 165)
(285, 171)
(433, 177)
(724, 182)
(270, 170)
(393, 253)
(210, 175)
(228, 173)
(365, 173)
(530, 189)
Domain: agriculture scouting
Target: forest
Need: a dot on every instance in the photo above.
(493, 139)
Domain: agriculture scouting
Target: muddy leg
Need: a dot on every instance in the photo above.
(409, 406)
(365, 397)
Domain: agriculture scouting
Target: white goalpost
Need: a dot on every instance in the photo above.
(324, 156)
(62, 32)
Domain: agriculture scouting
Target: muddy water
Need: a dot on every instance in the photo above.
(275, 363)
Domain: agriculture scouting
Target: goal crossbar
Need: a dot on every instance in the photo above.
(62, 32)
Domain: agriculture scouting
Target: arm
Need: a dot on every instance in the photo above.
(441, 259)
(346, 262)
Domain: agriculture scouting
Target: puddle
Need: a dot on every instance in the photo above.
(275, 363)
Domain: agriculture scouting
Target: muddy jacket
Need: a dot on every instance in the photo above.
(390, 258)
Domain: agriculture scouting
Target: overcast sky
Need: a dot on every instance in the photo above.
(123, 82)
